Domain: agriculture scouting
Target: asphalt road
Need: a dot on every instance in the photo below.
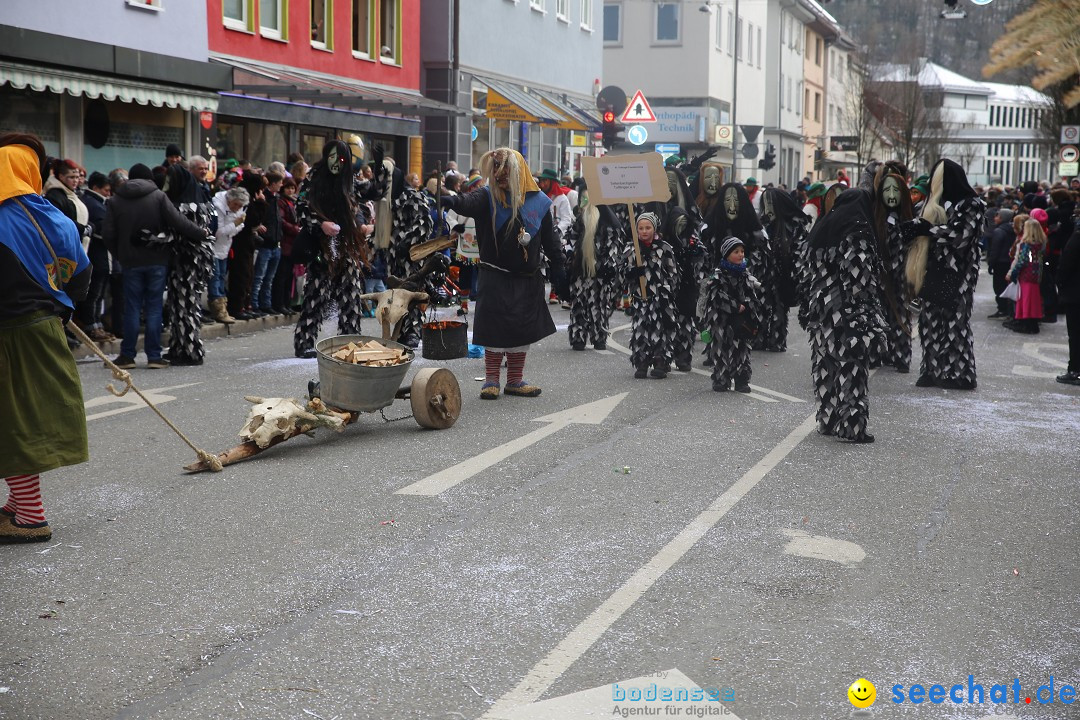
(740, 551)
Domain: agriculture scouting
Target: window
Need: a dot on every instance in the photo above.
(389, 36)
(562, 10)
(719, 30)
(271, 18)
(586, 15)
(321, 18)
(362, 17)
(738, 39)
(237, 14)
(667, 22)
(799, 97)
(759, 47)
(783, 27)
(730, 33)
(612, 24)
(146, 4)
(818, 45)
(781, 93)
(789, 105)
(749, 42)
(806, 101)
(817, 107)
(537, 5)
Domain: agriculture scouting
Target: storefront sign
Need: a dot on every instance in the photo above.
(679, 124)
(844, 143)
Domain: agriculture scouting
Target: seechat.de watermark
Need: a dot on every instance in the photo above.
(976, 693)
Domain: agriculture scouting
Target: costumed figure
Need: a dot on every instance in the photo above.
(594, 275)
(942, 268)
(329, 243)
(654, 317)
(736, 217)
(815, 194)
(785, 226)
(190, 269)
(513, 229)
(681, 231)
(830, 197)
(892, 210)
(732, 314)
(412, 225)
(843, 314)
(709, 181)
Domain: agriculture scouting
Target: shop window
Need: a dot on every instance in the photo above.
(267, 143)
(272, 18)
(38, 113)
(389, 31)
(238, 14)
(230, 141)
(135, 134)
(363, 17)
(612, 23)
(311, 145)
(322, 30)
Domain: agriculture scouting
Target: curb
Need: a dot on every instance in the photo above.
(208, 332)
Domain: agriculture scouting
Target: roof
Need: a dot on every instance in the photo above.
(1020, 94)
(931, 75)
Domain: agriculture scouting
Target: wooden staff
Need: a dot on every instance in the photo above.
(637, 247)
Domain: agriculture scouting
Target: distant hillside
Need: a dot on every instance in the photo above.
(899, 30)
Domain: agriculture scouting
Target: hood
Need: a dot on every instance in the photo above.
(133, 189)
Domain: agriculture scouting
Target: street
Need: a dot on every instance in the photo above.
(619, 531)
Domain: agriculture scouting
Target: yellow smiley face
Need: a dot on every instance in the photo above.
(862, 693)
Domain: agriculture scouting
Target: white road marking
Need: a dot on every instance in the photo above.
(819, 547)
(1033, 350)
(599, 702)
(131, 401)
(1028, 371)
(585, 635)
(592, 413)
(603, 352)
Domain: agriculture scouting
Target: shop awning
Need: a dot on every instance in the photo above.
(509, 101)
(574, 117)
(312, 88)
(99, 86)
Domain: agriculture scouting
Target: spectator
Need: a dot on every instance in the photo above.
(89, 311)
(1068, 280)
(299, 171)
(173, 154)
(571, 192)
(230, 206)
(1026, 271)
(413, 181)
(40, 392)
(269, 246)
(60, 191)
(281, 294)
(242, 261)
(141, 208)
(997, 259)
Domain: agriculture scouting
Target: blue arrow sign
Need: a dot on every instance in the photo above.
(637, 134)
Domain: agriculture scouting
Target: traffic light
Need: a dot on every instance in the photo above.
(611, 130)
(768, 162)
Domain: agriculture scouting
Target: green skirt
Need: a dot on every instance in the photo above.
(41, 403)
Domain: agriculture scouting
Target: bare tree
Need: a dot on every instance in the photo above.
(910, 115)
(859, 121)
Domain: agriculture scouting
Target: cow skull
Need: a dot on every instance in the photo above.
(393, 306)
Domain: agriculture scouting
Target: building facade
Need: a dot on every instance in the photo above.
(523, 72)
(142, 82)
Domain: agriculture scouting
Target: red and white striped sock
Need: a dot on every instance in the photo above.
(515, 368)
(492, 367)
(25, 499)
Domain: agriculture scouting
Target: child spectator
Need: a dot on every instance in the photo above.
(1026, 271)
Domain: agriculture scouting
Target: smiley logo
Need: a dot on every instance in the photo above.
(862, 693)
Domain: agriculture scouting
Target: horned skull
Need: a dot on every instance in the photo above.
(393, 306)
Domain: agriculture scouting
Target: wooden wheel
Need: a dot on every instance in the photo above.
(436, 398)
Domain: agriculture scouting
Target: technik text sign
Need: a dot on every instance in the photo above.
(679, 124)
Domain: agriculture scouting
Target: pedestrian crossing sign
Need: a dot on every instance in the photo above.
(638, 111)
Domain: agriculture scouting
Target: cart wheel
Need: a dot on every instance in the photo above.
(436, 398)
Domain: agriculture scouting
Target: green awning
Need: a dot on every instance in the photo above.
(108, 88)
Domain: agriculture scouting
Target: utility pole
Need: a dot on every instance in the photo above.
(735, 96)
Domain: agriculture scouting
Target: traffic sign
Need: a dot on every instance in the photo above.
(1068, 169)
(723, 134)
(1069, 154)
(638, 111)
(1070, 134)
(637, 134)
(666, 150)
(474, 133)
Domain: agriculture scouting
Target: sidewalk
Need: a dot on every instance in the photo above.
(217, 330)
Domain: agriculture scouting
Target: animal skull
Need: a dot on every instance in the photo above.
(393, 306)
(271, 418)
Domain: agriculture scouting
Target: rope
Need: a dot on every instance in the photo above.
(213, 462)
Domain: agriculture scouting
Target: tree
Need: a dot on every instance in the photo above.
(910, 115)
(858, 120)
(1046, 36)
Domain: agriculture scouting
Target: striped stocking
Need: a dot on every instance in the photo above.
(515, 368)
(492, 367)
(24, 499)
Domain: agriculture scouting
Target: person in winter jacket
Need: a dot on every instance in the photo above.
(1026, 271)
(231, 205)
(1068, 285)
(997, 259)
(732, 314)
(281, 293)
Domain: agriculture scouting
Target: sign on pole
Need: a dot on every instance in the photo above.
(722, 135)
(637, 134)
(1068, 169)
(1070, 134)
(638, 111)
(629, 179)
(1069, 154)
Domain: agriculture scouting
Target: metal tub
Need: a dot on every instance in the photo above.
(357, 387)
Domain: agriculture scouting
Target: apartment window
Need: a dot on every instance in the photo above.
(148, 4)
(817, 107)
(730, 32)
(799, 98)
(612, 23)
(667, 22)
(750, 42)
(738, 39)
(362, 20)
(321, 19)
(719, 30)
(272, 18)
(789, 105)
(818, 46)
(237, 14)
(562, 10)
(780, 94)
(783, 27)
(759, 47)
(537, 5)
(586, 14)
(389, 36)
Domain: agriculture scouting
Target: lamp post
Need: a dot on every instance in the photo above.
(735, 95)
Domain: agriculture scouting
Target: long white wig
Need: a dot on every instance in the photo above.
(919, 253)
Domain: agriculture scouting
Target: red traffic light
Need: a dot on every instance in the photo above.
(609, 117)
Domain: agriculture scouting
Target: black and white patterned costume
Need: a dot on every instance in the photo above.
(894, 234)
(948, 343)
(334, 276)
(412, 226)
(844, 315)
(726, 289)
(654, 318)
(785, 226)
(593, 289)
(189, 271)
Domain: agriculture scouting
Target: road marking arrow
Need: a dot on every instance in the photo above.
(592, 413)
(131, 401)
(600, 701)
(819, 547)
